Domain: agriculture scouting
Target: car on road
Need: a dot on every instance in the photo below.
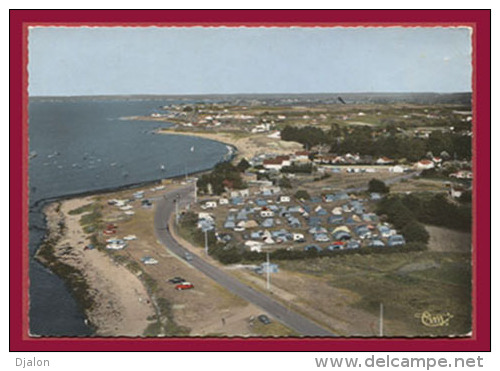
(184, 286)
(177, 280)
(188, 256)
(264, 319)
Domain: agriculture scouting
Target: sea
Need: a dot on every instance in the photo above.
(83, 145)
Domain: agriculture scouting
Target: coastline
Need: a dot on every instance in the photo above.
(92, 276)
(247, 146)
(113, 299)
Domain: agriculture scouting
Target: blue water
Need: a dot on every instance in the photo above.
(84, 145)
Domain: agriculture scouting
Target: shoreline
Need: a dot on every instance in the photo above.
(100, 321)
(113, 299)
(247, 146)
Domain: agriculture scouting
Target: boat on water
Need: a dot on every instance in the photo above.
(33, 154)
(162, 167)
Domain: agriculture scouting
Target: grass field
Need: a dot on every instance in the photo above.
(408, 284)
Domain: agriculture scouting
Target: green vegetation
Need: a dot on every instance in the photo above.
(224, 175)
(407, 284)
(428, 208)
(305, 169)
(381, 141)
(82, 209)
(189, 231)
(302, 195)
(403, 218)
(243, 165)
(377, 186)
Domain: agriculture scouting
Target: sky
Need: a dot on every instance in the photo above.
(68, 61)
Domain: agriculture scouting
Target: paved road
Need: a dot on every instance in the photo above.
(165, 207)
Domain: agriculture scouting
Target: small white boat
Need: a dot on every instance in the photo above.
(130, 237)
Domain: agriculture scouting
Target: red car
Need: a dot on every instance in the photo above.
(184, 286)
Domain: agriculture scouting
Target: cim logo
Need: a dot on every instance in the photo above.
(434, 320)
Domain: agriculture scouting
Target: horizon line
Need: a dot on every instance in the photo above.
(236, 94)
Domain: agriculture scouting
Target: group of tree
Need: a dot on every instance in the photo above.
(406, 212)
(224, 176)
(377, 186)
(381, 141)
(403, 219)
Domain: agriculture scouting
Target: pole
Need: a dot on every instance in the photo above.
(268, 273)
(206, 243)
(195, 191)
(381, 321)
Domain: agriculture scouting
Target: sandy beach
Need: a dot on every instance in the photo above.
(247, 146)
(121, 303)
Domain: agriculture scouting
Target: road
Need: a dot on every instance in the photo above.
(165, 207)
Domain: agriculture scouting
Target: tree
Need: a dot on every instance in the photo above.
(284, 182)
(415, 232)
(377, 186)
(243, 165)
(302, 194)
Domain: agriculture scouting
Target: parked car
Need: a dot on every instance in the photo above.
(264, 319)
(184, 286)
(177, 280)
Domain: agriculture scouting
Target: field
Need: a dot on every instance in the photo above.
(408, 285)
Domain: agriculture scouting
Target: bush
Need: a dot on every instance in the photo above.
(415, 232)
(302, 194)
(377, 186)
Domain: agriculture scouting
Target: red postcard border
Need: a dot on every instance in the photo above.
(478, 20)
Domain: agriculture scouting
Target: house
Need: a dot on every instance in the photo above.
(397, 169)
(276, 163)
(384, 161)
(425, 164)
(301, 156)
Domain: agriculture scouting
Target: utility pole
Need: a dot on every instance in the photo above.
(206, 242)
(176, 211)
(381, 320)
(268, 270)
(195, 191)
